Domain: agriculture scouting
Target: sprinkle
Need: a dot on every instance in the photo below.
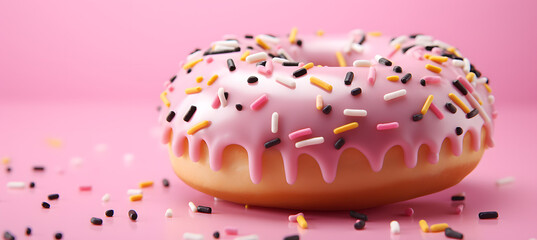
(384, 61)
(339, 143)
(387, 126)
(192, 236)
(257, 57)
(190, 113)
(487, 87)
(191, 64)
(109, 213)
(238, 107)
(193, 90)
(404, 50)
(308, 65)
(362, 63)
(355, 112)
(58, 235)
(488, 215)
(427, 104)
(252, 79)
(28, 231)
(472, 113)
(53, 196)
(133, 215)
(301, 221)
(96, 221)
(358, 215)
(327, 109)
(309, 142)
(459, 103)
(406, 78)
(417, 117)
(457, 198)
(259, 102)
(274, 123)
(146, 184)
(168, 213)
(204, 209)
(106, 197)
(467, 65)
(357, 47)
(38, 168)
(346, 127)
(393, 78)
(394, 227)
(164, 98)
(359, 224)
(292, 35)
(85, 188)
(288, 82)
(136, 197)
(438, 59)
(199, 79)
(470, 76)
(341, 59)
(457, 63)
(300, 133)
(280, 60)
(348, 78)
(170, 116)
(295, 237)
(300, 72)
(248, 237)
(320, 83)
(459, 86)
(356, 91)
(433, 68)
(458, 131)
(290, 64)
(409, 212)
(192, 207)
(209, 59)
(292, 218)
(283, 53)
(244, 55)
(45, 205)
(504, 181)
(371, 76)
(8, 236)
(16, 185)
(319, 102)
(261, 43)
(424, 226)
(272, 142)
(451, 108)
(394, 95)
(231, 65)
(198, 126)
(422, 82)
(31, 185)
(450, 233)
(374, 34)
(440, 227)
(212, 79)
(398, 69)
(216, 235)
(222, 97)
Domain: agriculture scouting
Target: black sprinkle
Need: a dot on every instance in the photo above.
(8, 169)
(359, 225)
(248, 36)
(457, 198)
(216, 235)
(472, 69)
(226, 95)
(348, 78)
(398, 69)
(204, 209)
(451, 108)
(170, 116)
(357, 215)
(250, 47)
(299, 42)
(422, 82)
(452, 56)
(109, 213)
(173, 78)
(32, 184)
(238, 107)
(282, 56)
(231, 65)
(133, 215)
(28, 231)
(53, 196)
(459, 86)
(487, 80)
(45, 205)
(450, 233)
(195, 50)
(413, 35)
(96, 221)
(271, 55)
(189, 70)
(362, 40)
(356, 91)
(488, 215)
(8, 236)
(190, 113)
(39, 168)
(407, 48)
(263, 63)
(289, 64)
(58, 235)
(385, 62)
(327, 109)
(272, 142)
(406, 78)
(209, 52)
(417, 117)
(292, 237)
(458, 131)
(472, 113)
(300, 72)
(252, 79)
(165, 182)
(339, 143)
(429, 48)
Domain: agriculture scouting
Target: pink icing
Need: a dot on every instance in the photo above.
(251, 127)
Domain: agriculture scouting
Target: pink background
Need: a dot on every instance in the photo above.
(89, 72)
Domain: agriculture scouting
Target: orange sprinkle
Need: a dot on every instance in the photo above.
(244, 55)
(438, 59)
(165, 99)
(393, 78)
(374, 34)
(193, 90)
(345, 127)
(136, 197)
(427, 104)
(426, 56)
(487, 87)
(197, 127)
(199, 79)
(470, 76)
(146, 184)
(192, 64)
(212, 79)
(433, 68)
(320, 83)
(262, 43)
(459, 103)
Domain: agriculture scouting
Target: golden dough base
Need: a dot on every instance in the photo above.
(356, 186)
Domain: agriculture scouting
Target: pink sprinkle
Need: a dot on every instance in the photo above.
(259, 103)
(85, 188)
(466, 84)
(167, 83)
(432, 79)
(292, 218)
(437, 51)
(387, 126)
(267, 69)
(393, 52)
(371, 77)
(171, 88)
(409, 211)
(494, 114)
(301, 64)
(231, 231)
(209, 59)
(216, 102)
(300, 133)
(436, 111)
(418, 55)
(459, 209)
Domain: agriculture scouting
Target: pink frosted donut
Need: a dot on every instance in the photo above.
(326, 121)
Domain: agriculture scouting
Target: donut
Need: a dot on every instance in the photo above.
(326, 121)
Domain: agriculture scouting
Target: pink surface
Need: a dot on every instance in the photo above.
(89, 73)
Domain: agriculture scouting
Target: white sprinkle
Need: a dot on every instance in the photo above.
(423, 40)
(106, 197)
(285, 54)
(362, 63)
(466, 67)
(357, 47)
(457, 63)
(269, 39)
(16, 185)
(248, 237)
(218, 48)
(394, 227)
(76, 161)
(216, 199)
(504, 181)
(274, 123)
(279, 60)
(286, 81)
(227, 43)
(256, 57)
(378, 57)
(399, 40)
(441, 44)
(168, 213)
(355, 112)
(480, 80)
(491, 99)
(192, 207)
(222, 97)
(100, 147)
(131, 192)
(395, 94)
(192, 236)
(194, 55)
(308, 142)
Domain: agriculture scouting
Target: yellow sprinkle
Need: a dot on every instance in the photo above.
(320, 33)
(397, 46)
(319, 102)
(199, 79)
(451, 49)
(487, 87)
(393, 78)
(292, 35)
(54, 142)
(458, 54)
(438, 59)
(320, 83)
(164, 98)
(262, 44)
(301, 222)
(459, 103)
(427, 104)
(374, 34)
(341, 59)
(345, 127)
(212, 79)
(246, 206)
(424, 226)
(308, 66)
(433, 68)
(439, 227)
(191, 64)
(193, 90)
(244, 55)
(146, 184)
(426, 56)
(319, 65)
(197, 127)
(470, 76)
(6, 160)
(136, 197)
